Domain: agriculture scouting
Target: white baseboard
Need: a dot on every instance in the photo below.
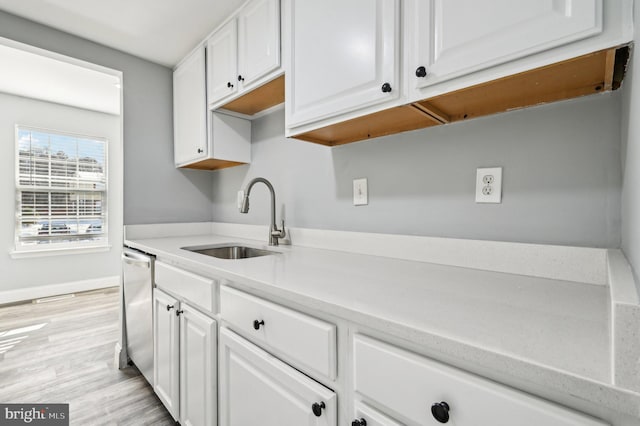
(30, 293)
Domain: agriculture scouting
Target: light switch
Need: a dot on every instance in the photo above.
(240, 198)
(360, 195)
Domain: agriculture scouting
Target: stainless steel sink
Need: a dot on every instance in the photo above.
(230, 251)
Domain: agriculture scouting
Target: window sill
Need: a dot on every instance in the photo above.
(22, 254)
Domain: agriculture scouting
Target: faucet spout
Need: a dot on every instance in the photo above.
(274, 232)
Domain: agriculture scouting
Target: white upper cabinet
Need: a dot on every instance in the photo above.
(258, 40)
(245, 52)
(190, 109)
(222, 62)
(343, 56)
(457, 37)
(203, 139)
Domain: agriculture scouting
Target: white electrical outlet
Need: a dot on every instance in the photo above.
(360, 194)
(489, 185)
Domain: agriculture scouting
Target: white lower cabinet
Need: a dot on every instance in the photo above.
(265, 374)
(166, 351)
(418, 391)
(258, 389)
(198, 399)
(185, 361)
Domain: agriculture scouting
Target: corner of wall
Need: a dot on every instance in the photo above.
(630, 158)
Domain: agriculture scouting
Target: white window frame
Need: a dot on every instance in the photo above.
(61, 247)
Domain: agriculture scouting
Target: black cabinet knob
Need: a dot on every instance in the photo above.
(240, 78)
(229, 85)
(359, 422)
(178, 312)
(200, 150)
(386, 88)
(421, 72)
(257, 324)
(440, 411)
(169, 307)
(317, 408)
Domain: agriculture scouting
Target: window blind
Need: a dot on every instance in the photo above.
(61, 189)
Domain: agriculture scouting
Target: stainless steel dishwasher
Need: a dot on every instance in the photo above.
(137, 271)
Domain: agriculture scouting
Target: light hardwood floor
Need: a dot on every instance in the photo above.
(63, 351)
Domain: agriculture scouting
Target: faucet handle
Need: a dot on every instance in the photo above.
(280, 233)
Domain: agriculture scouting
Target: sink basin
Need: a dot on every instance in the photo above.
(230, 251)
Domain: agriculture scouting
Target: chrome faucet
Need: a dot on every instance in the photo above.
(274, 232)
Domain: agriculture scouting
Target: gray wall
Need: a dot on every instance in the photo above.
(562, 177)
(37, 271)
(154, 191)
(631, 159)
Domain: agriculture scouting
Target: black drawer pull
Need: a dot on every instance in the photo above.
(317, 408)
(440, 411)
(257, 324)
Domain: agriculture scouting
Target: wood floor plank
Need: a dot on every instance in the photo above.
(63, 351)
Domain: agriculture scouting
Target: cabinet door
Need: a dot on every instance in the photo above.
(258, 389)
(341, 54)
(198, 399)
(190, 109)
(258, 40)
(166, 350)
(222, 71)
(457, 37)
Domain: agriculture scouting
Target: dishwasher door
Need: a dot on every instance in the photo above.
(137, 271)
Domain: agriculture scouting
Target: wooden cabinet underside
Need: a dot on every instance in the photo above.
(592, 73)
(212, 164)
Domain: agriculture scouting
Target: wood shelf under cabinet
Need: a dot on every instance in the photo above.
(387, 122)
(264, 97)
(212, 164)
(597, 72)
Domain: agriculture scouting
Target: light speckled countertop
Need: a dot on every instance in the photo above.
(548, 332)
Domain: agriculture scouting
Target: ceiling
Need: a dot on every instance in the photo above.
(161, 31)
(52, 78)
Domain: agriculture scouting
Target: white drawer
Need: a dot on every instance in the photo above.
(296, 337)
(405, 386)
(367, 416)
(197, 290)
